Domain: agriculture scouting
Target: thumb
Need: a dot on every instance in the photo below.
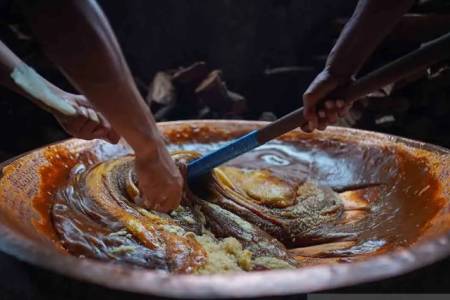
(110, 135)
(321, 86)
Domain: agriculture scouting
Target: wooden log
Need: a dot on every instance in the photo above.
(162, 90)
(212, 92)
(238, 103)
(192, 75)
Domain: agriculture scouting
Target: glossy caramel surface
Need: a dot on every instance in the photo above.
(409, 212)
(401, 194)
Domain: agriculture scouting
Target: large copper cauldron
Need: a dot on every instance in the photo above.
(421, 196)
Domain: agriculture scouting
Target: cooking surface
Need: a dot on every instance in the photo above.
(404, 173)
(20, 281)
(400, 207)
(398, 193)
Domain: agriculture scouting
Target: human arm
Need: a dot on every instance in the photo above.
(370, 23)
(75, 114)
(77, 36)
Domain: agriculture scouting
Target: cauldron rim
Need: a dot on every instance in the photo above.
(253, 284)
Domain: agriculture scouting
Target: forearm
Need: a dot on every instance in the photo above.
(370, 24)
(18, 77)
(77, 37)
(8, 62)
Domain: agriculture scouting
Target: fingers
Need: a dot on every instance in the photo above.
(92, 115)
(311, 118)
(74, 125)
(331, 111)
(89, 127)
(83, 126)
(89, 124)
(309, 102)
(346, 109)
(321, 86)
(323, 122)
(161, 204)
(89, 114)
(164, 195)
(110, 134)
(328, 114)
(340, 104)
(80, 100)
(159, 179)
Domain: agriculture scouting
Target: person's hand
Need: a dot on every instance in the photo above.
(159, 180)
(320, 109)
(87, 124)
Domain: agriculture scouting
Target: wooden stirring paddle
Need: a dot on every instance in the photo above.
(427, 55)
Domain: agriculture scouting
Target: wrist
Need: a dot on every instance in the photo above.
(338, 74)
(149, 145)
(38, 89)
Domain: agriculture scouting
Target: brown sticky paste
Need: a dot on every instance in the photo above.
(401, 209)
(53, 175)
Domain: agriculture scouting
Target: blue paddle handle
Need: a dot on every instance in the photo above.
(426, 55)
(235, 148)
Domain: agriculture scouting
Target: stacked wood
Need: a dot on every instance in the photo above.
(213, 92)
(193, 92)
(162, 90)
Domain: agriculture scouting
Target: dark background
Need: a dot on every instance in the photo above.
(268, 51)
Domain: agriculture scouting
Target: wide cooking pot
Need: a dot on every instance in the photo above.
(425, 176)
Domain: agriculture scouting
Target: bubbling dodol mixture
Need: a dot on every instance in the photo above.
(256, 213)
